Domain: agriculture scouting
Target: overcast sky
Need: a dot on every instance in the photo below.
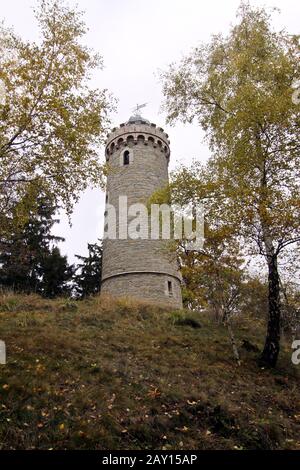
(136, 38)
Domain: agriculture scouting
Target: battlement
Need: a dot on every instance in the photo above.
(134, 132)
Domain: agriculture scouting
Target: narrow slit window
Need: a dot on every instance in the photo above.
(170, 289)
(106, 198)
(126, 157)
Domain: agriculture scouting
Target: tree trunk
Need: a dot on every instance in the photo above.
(233, 342)
(270, 352)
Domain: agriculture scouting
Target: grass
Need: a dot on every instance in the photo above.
(104, 374)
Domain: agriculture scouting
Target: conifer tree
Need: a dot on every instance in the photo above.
(87, 280)
(29, 259)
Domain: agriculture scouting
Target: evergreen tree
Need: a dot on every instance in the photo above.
(55, 274)
(88, 279)
(27, 258)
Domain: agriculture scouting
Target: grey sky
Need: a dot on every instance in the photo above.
(136, 38)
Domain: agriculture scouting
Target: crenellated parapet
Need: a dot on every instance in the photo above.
(137, 132)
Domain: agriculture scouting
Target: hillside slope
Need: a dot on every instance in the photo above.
(102, 374)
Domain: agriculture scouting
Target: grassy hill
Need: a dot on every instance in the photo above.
(104, 374)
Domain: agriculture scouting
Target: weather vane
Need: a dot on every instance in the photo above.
(137, 108)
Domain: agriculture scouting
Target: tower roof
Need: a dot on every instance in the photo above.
(137, 119)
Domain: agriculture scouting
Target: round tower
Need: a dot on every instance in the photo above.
(138, 155)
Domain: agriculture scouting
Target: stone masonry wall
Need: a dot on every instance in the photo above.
(147, 286)
(147, 171)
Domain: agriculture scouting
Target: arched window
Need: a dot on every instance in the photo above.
(126, 157)
(141, 138)
(130, 139)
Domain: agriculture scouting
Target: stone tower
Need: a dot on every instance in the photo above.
(138, 155)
